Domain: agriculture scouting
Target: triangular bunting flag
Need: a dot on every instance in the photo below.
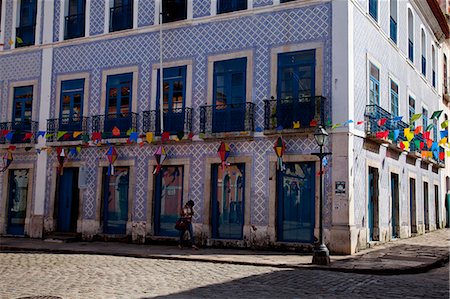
(382, 121)
(149, 137)
(444, 124)
(418, 130)
(436, 114)
(415, 117)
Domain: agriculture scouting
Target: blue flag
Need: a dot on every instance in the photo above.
(396, 133)
(444, 133)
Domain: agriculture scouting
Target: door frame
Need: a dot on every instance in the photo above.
(186, 163)
(413, 222)
(131, 193)
(376, 228)
(5, 196)
(50, 221)
(395, 205)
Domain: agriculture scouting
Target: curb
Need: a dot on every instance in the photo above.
(373, 271)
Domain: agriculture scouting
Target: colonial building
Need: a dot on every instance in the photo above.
(81, 84)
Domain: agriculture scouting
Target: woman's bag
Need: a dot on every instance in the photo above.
(181, 224)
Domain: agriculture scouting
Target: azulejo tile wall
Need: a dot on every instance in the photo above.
(258, 33)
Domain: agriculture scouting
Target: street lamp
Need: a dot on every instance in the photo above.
(321, 255)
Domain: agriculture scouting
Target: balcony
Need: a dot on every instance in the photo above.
(393, 30)
(372, 116)
(177, 120)
(74, 26)
(227, 118)
(282, 114)
(68, 125)
(105, 124)
(25, 36)
(121, 18)
(21, 131)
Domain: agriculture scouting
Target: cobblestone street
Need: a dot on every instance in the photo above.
(101, 276)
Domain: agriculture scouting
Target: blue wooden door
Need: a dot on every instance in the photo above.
(115, 201)
(296, 202)
(296, 88)
(17, 204)
(68, 195)
(229, 92)
(71, 112)
(173, 100)
(168, 200)
(118, 102)
(228, 201)
(394, 205)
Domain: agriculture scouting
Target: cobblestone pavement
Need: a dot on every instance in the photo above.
(100, 276)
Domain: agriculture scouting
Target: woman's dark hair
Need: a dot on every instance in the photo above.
(190, 203)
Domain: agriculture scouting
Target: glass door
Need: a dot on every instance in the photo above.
(17, 207)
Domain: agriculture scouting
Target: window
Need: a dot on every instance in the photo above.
(121, 15)
(284, 1)
(174, 98)
(373, 9)
(445, 75)
(393, 20)
(374, 85)
(71, 111)
(410, 36)
(412, 106)
(25, 33)
(174, 10)
(75, 19)
(224, 6)
(424, 60)
(118, 102)
(394, 98)
(433, 66)
(229, 92)
(424, 118)
(22, 107)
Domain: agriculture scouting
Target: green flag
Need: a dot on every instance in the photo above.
(436, 114)
(415, 117)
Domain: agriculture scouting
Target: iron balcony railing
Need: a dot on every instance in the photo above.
(74, 26)
(373, 116)
(68, 125)
(413, 147)
(401, 126)
(176, 120)
(227, 118)
(124, 122)
(283, 113)
(20, 131)
(25, 36)
(121, 18)
(393, 30)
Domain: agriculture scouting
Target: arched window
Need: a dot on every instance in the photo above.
(433, 66)
(424, 54)
(410, 35)
(393, 21)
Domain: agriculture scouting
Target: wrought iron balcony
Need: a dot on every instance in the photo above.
(227, 118)
(401, 126)
(20, 131)
(68, 125)
(412, 145)
(121, 18)
(25, 36)
(177, 120)
(282, 113)
(123, 121)
(373, 115)
(74, 26)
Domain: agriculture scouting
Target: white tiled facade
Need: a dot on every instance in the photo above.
(266, 27)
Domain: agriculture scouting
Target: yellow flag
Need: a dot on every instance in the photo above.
(443, 141)
(448, 153)
(409, 136)
(10, 42)
(19, 40)
(406, 144)
(149, 137)
(406, 131)
(76, 134)
(296, 124)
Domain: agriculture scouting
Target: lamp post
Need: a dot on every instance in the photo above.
(321, 255)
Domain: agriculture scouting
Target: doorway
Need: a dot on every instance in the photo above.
(395, 205)
(17, 203)
(426, 216)
(68, 196)
(373, 221)
(436, 206)
(412, 206)
(115, 200)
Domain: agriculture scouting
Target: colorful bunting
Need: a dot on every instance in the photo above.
(180, 135)
(313, 123)
(444, 133)
(191, 135)
(165, 136)
(443, 141)
(444, 124)
(398, 118)
(116, 131)
(441, 156)
(27, 136)
(429, 127)
(61, 158)
(76, 134)
(415, 117)
(418, 130)
(382, 121)
(296, 124)
(60, 134)
(426, 135)
(160, 156)
(41, 134)
(396, 134)
(134, 136)
(436, 114)
(149, 137)
(9, 136)
(223, 152)
(335, 126)
(360, 122)
(112, 155)
(280, 147)
(96, 136)
(7, 160)
(429, 143)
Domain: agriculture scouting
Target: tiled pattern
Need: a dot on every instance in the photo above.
(146, 14)
(8, 23)
(258, 3)
(258, 33)
(97, 17)
(201, 8)
(57, 12)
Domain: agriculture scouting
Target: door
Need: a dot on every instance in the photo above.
(22, 112)
(436, 205)
(373, 204)
(296, 202)
(229, 93)
(115, 201)
(118, 103)
(71, 112)
(395, 213)
(173, 100)
(17, 205)
(426, 216)
(26, 29)
(412, 205)
(168, 200)
(228, 191)
(296, 88)
(68, 200)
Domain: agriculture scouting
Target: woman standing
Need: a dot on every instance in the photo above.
(186, 214)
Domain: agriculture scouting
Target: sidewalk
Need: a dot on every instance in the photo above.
(413, 255)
